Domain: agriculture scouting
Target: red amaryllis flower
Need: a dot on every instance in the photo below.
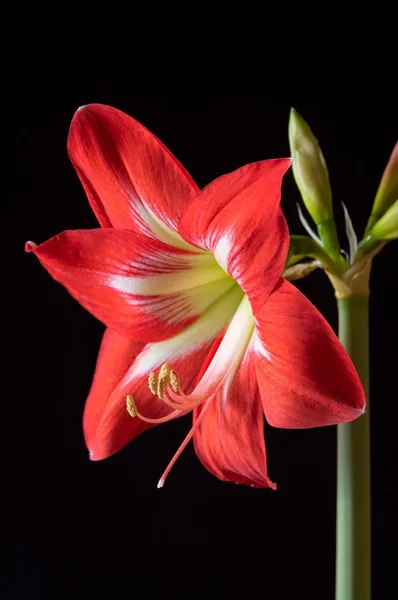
(193, 280)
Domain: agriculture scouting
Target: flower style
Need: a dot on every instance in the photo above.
(192, 279)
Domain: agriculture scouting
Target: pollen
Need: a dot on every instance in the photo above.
(174, 381)
(159, 382)
(162, 384)
(163, 380)
(131, 407)
(164, 371)
(153, 383)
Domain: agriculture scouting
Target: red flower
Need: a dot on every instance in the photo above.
(193, 279)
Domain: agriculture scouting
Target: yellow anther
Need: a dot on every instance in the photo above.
(164, 371)
(162, 384)
(163, 379)
(158, 383)
(174, 381)
(153, 383)
(131, 407)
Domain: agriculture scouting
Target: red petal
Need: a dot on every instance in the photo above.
(230, 439)
(306, 377)
(238, 218)
(107, 425)
(125, 170)
(138, 286)
(116, 356)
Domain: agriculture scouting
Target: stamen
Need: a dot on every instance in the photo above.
(153, 382)
(166, 385)
(161, 387)
(133, 412)
(174, 381)
(169, 417)
(164, 371)
(131, 407)
(184, 407)
(158, 385)
(163, 381)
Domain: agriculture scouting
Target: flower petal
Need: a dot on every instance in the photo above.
(132, 180)
(138, 286)
(107, 425)
(230, 439)
(238, 218)
(115, 357)
(306, 377)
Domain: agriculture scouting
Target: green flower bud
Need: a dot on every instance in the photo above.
(309, 169)
(387, 227)
(387, 193)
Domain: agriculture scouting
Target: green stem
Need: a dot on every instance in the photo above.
(353, 464)
(328, 233)
(302, 246)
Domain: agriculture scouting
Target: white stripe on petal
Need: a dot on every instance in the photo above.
(161, 229)
(209, 324)
(232, 349)
(190, 303)
(259, 347)
(222, 250)
(168, 275)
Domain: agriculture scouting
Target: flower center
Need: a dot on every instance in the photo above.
(166, 384)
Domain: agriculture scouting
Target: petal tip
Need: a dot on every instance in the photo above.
(288, 162)
(81, 109)
(91, 107)
(96, 457)
(82, 112)
(283, 164)
(98, 450)
(29, 246)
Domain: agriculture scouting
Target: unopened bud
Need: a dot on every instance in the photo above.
(387, 227)
(387, 193)
(309, 169)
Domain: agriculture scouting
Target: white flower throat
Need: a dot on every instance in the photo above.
(166, 385)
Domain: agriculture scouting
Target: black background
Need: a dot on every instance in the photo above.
(77, 529)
